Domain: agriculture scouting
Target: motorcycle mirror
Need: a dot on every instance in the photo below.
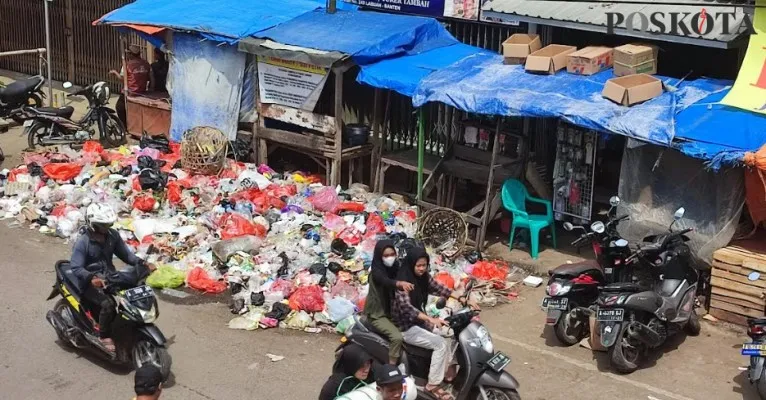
(67, 85)
(621, 243)
(614, 201)
(441, 303)
(598, 227)
(568, 226)
(679, 214)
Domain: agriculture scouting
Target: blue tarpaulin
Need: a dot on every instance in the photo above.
(220, 20)
(482, 84)
(366, 36)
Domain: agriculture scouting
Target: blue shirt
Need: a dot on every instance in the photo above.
(90, 257)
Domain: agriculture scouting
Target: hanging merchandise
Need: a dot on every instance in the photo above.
(573, 172)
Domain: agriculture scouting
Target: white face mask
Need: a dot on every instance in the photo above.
(389, 261)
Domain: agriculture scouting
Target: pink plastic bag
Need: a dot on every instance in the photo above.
(325, 200)
(282, 285)
(346, 290)
(334, 223)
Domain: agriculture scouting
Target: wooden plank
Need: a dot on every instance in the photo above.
(737, 287)
(302, 118)
(736, 269)
(727, 316)
(738, 256)
(291, 139)
(741, 296)
(747, 252)
(735, 308)
(757, 265)
(738, 278)
(478, 156)
(739, 302)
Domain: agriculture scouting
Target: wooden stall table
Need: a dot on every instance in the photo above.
(148, 112)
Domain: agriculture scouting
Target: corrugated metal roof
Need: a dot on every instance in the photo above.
(595, 14)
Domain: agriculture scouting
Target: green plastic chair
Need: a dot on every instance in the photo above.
(515, 197)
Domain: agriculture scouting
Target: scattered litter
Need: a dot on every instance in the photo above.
(533, 281)
(274, 358)
(175, 293)
(710, 318)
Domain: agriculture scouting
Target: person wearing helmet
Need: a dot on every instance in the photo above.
(92, 258)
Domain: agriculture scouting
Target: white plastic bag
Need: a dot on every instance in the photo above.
(339, 308)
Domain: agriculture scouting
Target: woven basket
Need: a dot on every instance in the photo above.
(443, 229)
(203, 150)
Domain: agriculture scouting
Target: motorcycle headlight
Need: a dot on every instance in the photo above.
(558, 289)
(482, 334)
(149, 315)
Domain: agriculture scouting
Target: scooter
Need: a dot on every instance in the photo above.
(756, 350)
(573, 288)
(22, 93)
(632, 320)
(481, 370)
(137, 339)
(54, 126)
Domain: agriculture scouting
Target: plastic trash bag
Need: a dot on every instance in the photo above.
(339, 308)
(279, 311)
(250, 179)
(144, 203)
(325, 200)
(165, 277)
(344, 325)
(298, 320)
(307, 298)
(248, 321)
(283, 286)
(349, 206)
(199, 279)
(92, 146)
(446, 279)
(225, 248)
(235, 225)
(62, 171)
(345, 290)
(490, 270)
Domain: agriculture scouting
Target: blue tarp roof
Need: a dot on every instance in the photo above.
(366, 36)
(221, 20)
(482, 84)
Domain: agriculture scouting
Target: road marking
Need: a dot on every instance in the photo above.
(592, 368)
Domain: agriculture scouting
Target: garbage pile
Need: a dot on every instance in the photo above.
(291, 252)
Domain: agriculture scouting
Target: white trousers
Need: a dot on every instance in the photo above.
(420, 337)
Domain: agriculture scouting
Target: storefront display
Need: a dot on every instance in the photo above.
(573, 172)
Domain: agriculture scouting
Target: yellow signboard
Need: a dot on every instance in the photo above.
(749, 91)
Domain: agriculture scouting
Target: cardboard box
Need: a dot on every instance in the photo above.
(514, 60)
(590, 60)
(549, 59)
(520, 45)
(632, 89)
(635, 58)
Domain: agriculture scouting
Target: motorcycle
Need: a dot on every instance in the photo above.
(481, 370)
(756, 350)
(573, 288)
(137, 339)
(54, 126)
(632, 320)
(22, 93)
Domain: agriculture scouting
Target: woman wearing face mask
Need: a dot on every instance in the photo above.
(383, 283)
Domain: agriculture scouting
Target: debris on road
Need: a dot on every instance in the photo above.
(274, 358)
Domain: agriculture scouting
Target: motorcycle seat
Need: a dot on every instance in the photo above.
(756, 321)
(20, 87)
(64, 112)
(573, 270)
(66, 276)
(622, 287)
(414, 350)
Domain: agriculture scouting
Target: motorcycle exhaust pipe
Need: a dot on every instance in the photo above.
(644, 333)
(581, 313)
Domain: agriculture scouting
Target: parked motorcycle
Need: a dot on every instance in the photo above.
(137, 339)
(756, 350)
(22, 93)
(632, 320)
(54, 126)
(573, 288)
(481, 370)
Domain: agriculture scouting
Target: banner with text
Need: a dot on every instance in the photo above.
(290, 83)
(462, 9)
(749, 91)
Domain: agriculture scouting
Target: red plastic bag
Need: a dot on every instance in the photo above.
(490, 270)
(284, 286)
(92, 146)
(144, 203)
(349, 206)
(60, 210)
(325, 199)
(233, 225)
(62, 171)
(173, 192)
(307, 298)
(445, 279)
(199, 279)
(351, 236)
(375, 225)
(345, 290)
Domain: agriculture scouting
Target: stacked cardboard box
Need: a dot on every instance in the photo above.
(590, 60)
(738, 285)
(635, 58)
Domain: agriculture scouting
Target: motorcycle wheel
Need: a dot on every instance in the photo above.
(34, 101)
(761, 385)
(566, 333)
(498, 394)
(34, 132)
(623, 356)
(59, 309)
(145, 351)
(115, 134)
(693, 327)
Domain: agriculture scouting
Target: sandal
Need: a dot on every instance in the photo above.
(439, 393)
(451, 374)
(108, 344)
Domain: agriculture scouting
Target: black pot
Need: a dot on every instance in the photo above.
(356, 134)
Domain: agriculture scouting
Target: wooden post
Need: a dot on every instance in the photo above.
(336, 162)
(375, 158)
(123, 47)
(68, 26)
(486, 217)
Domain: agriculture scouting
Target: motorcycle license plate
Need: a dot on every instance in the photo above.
(139, 293)
(498, 362)
(28, 123)
(610, 315)
(555, 303)
(754, 349)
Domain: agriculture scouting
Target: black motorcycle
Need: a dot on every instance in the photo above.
(54, 126)
(756, 350)
(633, 319)
(22, 93)
(137, 339)
(481, 370)
(573, 288)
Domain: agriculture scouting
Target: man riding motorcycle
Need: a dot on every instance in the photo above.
(92, 259)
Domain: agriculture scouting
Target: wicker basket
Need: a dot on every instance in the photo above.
(443, 229)
(203, 150)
